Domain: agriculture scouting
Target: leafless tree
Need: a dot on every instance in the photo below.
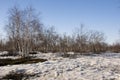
(26, 33)
(50, 39)
(96, 40)
(22, 26)
(81, 36)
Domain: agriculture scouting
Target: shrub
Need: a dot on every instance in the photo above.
(27, 60)
(10, 53)
(33, 52)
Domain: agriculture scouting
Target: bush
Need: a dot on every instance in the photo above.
(66, 55)
(27, 60)
(33, 52)
(11, 53)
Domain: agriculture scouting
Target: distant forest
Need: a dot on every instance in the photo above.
(26, 33)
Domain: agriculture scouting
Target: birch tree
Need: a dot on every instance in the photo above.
(22, 26)
(96, 41)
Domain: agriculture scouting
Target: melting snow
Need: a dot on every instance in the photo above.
(99, 67)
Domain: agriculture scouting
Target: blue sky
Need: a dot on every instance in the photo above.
(65, 15)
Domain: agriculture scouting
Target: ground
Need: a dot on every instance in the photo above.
(86, 67)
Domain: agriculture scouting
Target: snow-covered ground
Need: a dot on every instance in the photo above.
(96, 67)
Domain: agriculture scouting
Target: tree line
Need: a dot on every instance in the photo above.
(26, 33)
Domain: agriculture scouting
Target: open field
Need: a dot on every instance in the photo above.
(84, 67)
